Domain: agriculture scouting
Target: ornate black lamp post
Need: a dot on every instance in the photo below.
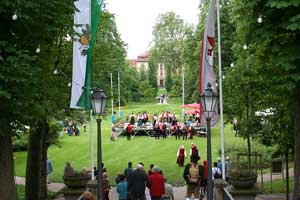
(99, 100)
(208, 101)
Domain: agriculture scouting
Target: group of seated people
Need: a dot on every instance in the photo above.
(162, 125)
(143, 118)
(71, 128)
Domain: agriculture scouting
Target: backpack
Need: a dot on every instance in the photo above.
(217, 175)
(194, 173)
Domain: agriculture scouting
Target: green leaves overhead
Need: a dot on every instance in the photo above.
(169, 34)
(282, 3)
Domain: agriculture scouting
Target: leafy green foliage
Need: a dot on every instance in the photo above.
(271, 55)
(169, 33)
(152, 73)
(169, 81)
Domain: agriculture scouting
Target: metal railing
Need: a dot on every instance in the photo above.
(227, 195)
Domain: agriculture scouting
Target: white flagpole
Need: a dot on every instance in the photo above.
(183, 91)
(92, 144)
(119, 93)
(112, 94)
(221, 93)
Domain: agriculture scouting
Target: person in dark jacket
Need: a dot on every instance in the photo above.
(128, 171)
(157, 181)
(137, 183)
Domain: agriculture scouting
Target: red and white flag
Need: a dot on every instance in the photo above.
(207, 74)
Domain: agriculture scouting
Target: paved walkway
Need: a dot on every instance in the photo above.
(53, 187)
(179, 192)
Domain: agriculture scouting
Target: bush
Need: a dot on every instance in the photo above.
(77, 174)
(233, 149)
(20, 143)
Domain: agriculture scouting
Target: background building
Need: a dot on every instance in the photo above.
(142, 61)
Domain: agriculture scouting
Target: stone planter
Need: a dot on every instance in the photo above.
(243, 182)
(76, 182)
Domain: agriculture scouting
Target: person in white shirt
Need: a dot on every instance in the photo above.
(216, 172)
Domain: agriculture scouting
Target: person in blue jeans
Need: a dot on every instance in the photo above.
(122, 188)
(49, 170)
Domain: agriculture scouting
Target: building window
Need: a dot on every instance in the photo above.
(161, 83)
(161, 69)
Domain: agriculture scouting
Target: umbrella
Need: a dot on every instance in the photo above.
(191, 105)
(192, 112)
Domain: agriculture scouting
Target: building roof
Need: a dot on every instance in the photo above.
(144, 57)
(132, 62)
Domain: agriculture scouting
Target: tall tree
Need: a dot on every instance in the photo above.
(152, 73)
(169, 33)
(109, 57)
(168, 77)
(271, 30)
(29, 41)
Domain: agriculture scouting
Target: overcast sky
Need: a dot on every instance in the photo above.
(135, 19)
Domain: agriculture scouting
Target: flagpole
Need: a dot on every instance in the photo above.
(183, 91)
(221, 92)
(112, 95)
(92, 144)
(119, 93)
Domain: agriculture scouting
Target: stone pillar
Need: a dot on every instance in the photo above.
(92, 185)
(218, 189)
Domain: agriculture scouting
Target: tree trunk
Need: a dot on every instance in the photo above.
(248, 134)
(44, 189)
(296, 133)
(249, 153)
(287, 186)
(7, 181)
(33, 168)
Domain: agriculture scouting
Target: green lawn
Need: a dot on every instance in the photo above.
(140, 149)
(278, 186)
(21, 193)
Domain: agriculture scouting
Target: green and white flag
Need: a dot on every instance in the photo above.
(86, 22)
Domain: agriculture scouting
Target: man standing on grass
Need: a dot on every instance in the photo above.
(129, 130)
(49, 170)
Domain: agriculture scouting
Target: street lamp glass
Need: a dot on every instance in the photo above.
(99, 100)
(259, 19)
(208, 101)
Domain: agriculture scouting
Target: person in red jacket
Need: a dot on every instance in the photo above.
(129, 131)
(181, 154)
(176, 131)
(204, 181)
(194, 151)
(157, 182)
(163, 130)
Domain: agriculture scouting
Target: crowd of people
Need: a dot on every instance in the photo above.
(72, 128)
(141, 184)
(138, 184)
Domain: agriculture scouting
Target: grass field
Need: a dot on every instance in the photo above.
(21, 193)
(140, 149)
